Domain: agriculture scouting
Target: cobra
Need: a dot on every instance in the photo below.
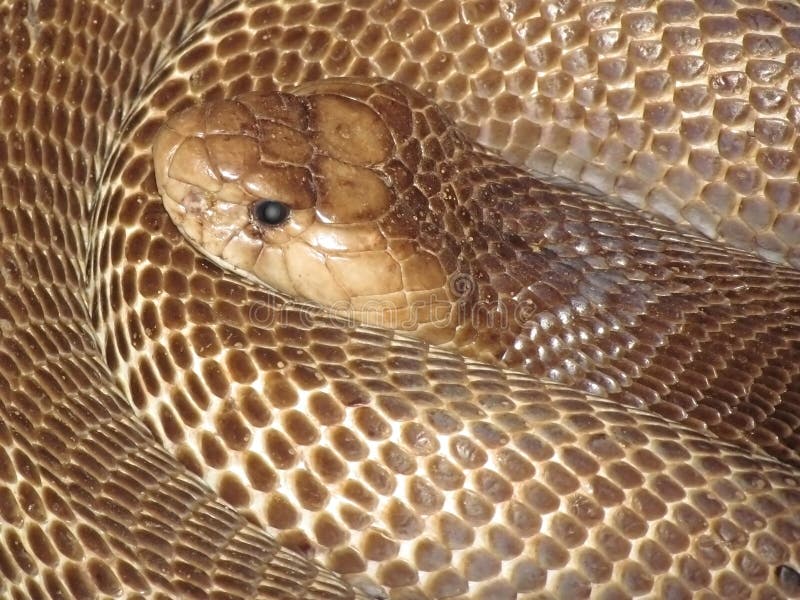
(173, 429)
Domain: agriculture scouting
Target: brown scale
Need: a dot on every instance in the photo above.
(93, 505)
(565, 287)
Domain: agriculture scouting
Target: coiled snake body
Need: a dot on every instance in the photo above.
(345, 461)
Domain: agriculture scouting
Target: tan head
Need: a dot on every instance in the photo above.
(304, 192)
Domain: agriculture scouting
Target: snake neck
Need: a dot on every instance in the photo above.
(538, 273)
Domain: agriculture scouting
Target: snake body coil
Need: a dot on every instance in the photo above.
(342, 461)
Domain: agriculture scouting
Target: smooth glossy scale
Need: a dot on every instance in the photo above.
(103, 308)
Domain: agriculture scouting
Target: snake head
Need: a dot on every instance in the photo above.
(312, 192)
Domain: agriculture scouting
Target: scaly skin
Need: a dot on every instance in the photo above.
(130, 367)
(421, 230)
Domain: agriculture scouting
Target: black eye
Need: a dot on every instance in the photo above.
(270, 212)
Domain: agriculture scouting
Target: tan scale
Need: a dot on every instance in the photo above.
(169, 429)
(332, 249)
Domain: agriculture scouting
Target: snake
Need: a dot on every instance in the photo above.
(174, 427)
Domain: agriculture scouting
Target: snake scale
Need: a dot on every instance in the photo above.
(171, 430)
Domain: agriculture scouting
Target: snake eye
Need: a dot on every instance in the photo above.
(270, 212)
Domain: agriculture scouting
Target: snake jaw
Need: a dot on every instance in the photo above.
(310, 276)
(324, 154)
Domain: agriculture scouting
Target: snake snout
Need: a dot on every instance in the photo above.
(305, 192)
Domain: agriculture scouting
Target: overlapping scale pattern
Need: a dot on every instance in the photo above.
(687, 109)
(414, 472)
